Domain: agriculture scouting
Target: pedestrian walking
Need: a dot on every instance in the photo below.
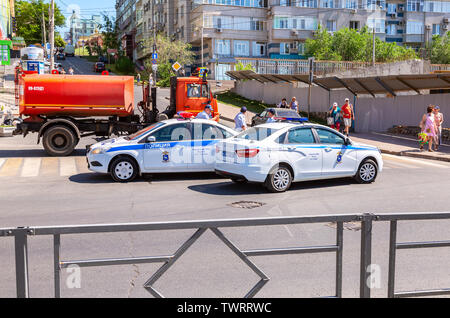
(70, 70)
(239, 120)
(348, 114)
(334, 117)
(283, 104)
(428, 127)
(439, 119)
(294, 104)
(138, 78)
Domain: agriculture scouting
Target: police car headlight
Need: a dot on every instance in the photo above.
(99, 150)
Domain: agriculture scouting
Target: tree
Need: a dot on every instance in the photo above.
(169, 52)
(59, 42)
(352, 45)
(440, 49)
(239, 66)
(109, 33)
(29, 19)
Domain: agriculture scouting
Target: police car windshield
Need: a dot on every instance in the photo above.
(256, 133)
(287, 113)
(142, 132)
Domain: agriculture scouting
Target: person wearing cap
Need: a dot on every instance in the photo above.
(206, 113)
(239, 120)
(348, 114)
(335, 114)
(439, 119)
(271, 115)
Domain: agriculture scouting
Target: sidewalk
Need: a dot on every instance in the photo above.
(387, 143)
(401, 145)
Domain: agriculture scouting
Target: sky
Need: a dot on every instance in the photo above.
(85, 8)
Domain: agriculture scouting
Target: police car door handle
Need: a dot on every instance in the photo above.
(328, 149)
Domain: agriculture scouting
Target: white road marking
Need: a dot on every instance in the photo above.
(2, 161)
(67, 166)
(31, 167)
(415, 161)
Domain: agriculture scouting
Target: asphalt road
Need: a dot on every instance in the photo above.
(38, 190)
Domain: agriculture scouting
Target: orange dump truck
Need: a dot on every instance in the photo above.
(64, 108)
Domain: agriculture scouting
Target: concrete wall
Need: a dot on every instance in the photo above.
(372, 114)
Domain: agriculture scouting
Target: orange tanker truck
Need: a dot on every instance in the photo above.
(62, 109)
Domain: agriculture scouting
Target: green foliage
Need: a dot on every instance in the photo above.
(29, 20)
(59, 42)
(124, 65)
(89, 49)
(440, 49)
(352, 45)
(241, 67)
(169, 51)
(109, 33)
(164, 73)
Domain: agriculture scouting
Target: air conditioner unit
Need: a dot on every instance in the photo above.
(401, 23)
(270, 12)
(444, 26)
(446, 20)
(354, 11)
(428, 27)
(294, 32)
(393, 15)
(219, 30)
(400, 8)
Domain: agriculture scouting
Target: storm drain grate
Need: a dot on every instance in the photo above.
(246, 204)
(350, 226)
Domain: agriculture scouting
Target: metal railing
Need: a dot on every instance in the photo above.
(21, 235)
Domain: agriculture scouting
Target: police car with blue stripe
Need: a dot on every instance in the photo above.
(174, 145)
(277, 154)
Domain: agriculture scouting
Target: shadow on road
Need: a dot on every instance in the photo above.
(92, 177)
(231, 188)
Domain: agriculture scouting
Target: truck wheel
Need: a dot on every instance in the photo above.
(123, 169)
(59, 141)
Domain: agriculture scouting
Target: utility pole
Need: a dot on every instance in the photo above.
(373, 44)
(155, 66)
(52, 34)
(311, 78)
(202, 44)
(44, 34)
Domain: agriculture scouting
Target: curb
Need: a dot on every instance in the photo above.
(413, 155)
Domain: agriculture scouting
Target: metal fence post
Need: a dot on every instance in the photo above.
(20, 244)
(366, 254)
(392, 254)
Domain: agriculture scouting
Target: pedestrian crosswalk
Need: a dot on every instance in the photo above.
(42, 167)
(69, 166)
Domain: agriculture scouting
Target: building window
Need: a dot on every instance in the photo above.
(414, 27)
(331, 25)
(436, 29)
(296, 22)
(391, 8)
(259, 49)
(354, 25)
(223, 47)
(414, 5)
(378, 24)
(391, 29)
(284, 48)
(327, 4)
(241, 48)
(301, 48)
(349, 4)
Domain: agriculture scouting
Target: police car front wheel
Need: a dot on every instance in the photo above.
(124, 169)
(367, 172)
(279, 179)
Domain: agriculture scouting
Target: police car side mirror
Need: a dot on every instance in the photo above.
(347, 141)
(151, 139)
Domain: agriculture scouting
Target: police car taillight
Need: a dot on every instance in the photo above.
(247, 153)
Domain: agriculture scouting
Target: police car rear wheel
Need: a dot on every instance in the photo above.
(279, 179)
(123, 170)
(367, 172)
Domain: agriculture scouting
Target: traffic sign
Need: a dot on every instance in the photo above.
(176, 66)
(155, 56)
(154, 62)
(155, 67)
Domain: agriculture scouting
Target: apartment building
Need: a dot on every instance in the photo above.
(126, 23)
(82, 27)
(222, 31)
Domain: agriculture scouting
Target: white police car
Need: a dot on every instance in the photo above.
(174, 145)
(278, 154)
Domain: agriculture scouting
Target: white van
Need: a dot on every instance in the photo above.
(69, 50)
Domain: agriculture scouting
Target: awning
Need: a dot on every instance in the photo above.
(390, 84)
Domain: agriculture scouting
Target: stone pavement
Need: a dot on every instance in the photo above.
(228, 112)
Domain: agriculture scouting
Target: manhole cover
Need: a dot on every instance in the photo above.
(350, 226)
(246, 204)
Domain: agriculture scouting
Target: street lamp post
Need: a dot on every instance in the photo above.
(373, 35)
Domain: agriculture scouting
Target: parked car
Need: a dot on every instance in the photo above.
(281, 114)
(277, 154)
(99, 67)
(60, 56)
